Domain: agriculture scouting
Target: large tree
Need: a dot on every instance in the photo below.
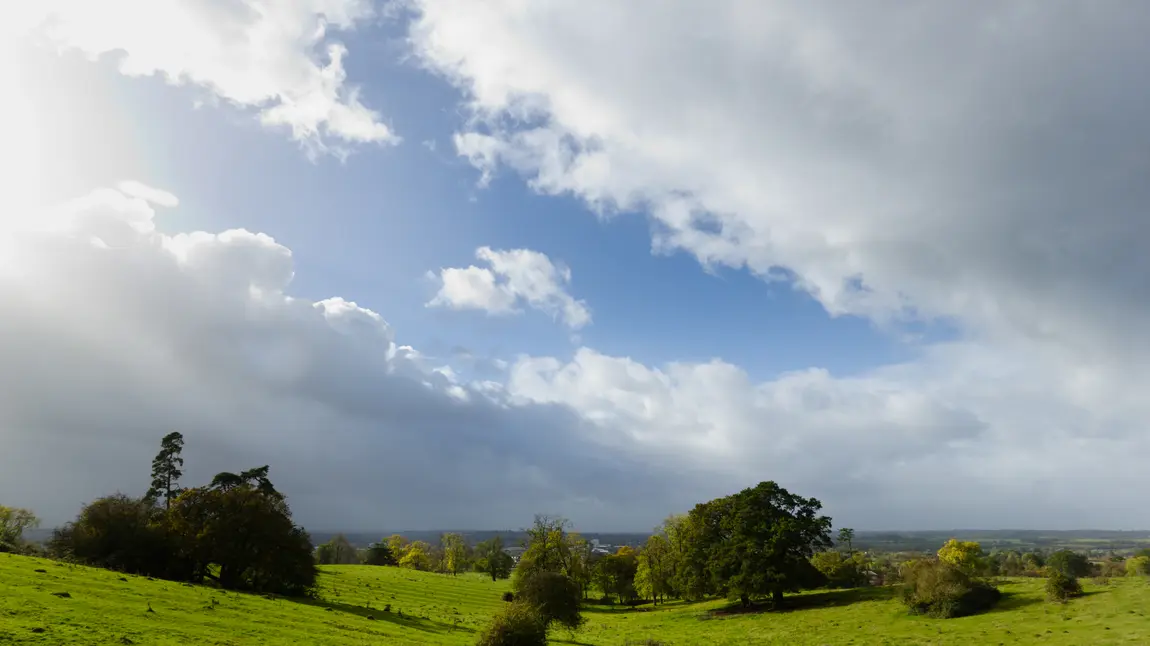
(656, 569)
(337, 551)
(454, 553)
(759, 541)
(167, 469)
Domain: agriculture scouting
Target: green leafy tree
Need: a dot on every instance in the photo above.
(655, 570)
(1061, 586)
(555, 596)
(13, 522)
(1138, 566)
(455, 558)
(841, 571)
(616, 574)
(517, 624)
(167, 469)
(937, 588)
(759, 541)
(398, 546)
(1069, 563)
(492, 560)
(256, 478)
(964, 555)
(847, 537)
(379, 554)
(120, 533)
(417, 556)
(246, 535)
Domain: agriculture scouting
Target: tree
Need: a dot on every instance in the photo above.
(1138, 566)
(964, 555)
(759, 541)
(1061, 586)
(166, 469)
(337, 551)
(938, 589)
(616, 574)
(379, 554)
(119, 533)
(245, 533)
(417, 556)
(517, 624)
(841, 571)
(656, 569)
(256, 478)
(13, 522)
(491, 559)
(454, 553)
(846, 537)
(398, 546)
(555, 596)
(1069, 563)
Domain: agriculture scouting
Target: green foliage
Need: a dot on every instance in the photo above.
(1061, 586)
(841, 571)
(847, 537)
(1069, 563)
(1113, 568)
(939, 589)
(554, 596)
(337, 551)
(964, 555)
(416, 556)
(656, 569)
(1138, 566)
(166, 469)
(379, 554)
(615, 574)
(13, 522)
(455, 556)
(518, 624)
(256, 478)
(492, 560)
(119, 533)
(248, 534)
(759, 541)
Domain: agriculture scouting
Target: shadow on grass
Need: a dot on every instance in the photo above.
(406, 621)
(820, 599)
(1013, 601)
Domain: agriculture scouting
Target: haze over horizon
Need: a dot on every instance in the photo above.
(442, 263)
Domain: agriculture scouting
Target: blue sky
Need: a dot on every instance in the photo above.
(948, 310)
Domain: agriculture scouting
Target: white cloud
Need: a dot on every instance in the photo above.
(976, 163)
(513, 277)
(279, 58)
(156, 196)
(115, 332)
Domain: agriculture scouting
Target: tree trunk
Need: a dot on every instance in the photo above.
(777, 598)
(745, 600)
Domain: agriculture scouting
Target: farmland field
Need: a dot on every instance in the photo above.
(103, 607)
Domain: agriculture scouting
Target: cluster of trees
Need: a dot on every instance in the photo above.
(451, 556)
(237, 531)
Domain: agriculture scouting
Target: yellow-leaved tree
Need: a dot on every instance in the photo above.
(964, 555)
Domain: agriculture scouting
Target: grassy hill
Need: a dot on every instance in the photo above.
(105, 608)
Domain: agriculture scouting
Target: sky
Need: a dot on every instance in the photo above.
(445, 264)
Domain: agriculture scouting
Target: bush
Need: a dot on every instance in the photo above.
(1061, 587)
(1137, 566)
(1113, 568)
(509, 596)
(118, 533)
(556, 597)
(516, 625)
(841, 571)
(938, 589)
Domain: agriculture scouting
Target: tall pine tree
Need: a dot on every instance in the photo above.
(166, 470)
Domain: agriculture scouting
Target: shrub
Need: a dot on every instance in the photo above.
(516, 625)
(1069, 563)
(1113, 568)
(1061, 587)
(1138, 566)
(556, 597)
(119, 533)
(938, 589)
(509, 596)
(841, 571)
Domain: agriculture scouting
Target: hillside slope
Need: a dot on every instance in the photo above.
(105, 608)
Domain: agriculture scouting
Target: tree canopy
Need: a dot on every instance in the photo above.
(167, 469)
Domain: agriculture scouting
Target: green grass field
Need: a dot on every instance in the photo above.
(106, 608)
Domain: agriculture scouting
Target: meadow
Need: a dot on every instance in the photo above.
(104, 607)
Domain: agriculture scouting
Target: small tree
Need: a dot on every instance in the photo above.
(1061, 587)
(840, 571)
(518, 624)
(555, 596)
(337, 551)
(454, 553)
(417, 556)
(166, 470)
(1069, 563)
(964, 555)
(939, 589)
(13, 522)
(492, 560)
(846, 537)
(119, 533)
(1138, 566)
(379, 554)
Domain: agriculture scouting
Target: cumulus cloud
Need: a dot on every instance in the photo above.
(115, 332)
(512, 278)
(980, 163)
(278, 58)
